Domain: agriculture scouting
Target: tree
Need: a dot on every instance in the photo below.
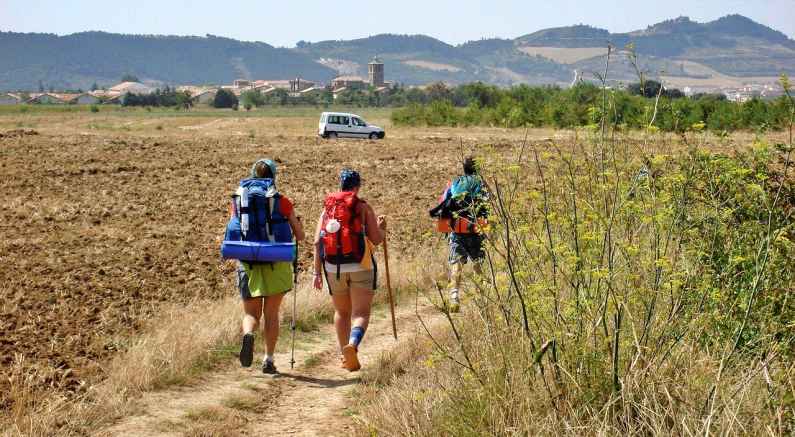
(183, 100)
(438, 91)
(651, 88)
(225, 99)
(129, 78)
(252, 98)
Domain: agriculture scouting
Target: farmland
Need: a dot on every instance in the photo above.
(110, 217)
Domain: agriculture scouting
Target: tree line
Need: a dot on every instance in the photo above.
(585, 104)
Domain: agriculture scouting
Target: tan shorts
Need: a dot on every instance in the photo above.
(365, 279)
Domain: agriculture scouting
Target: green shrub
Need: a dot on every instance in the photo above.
(225, 99)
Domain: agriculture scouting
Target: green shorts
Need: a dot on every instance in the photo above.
(261, 280)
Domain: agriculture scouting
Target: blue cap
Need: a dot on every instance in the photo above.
(349, 179)
(268, 162)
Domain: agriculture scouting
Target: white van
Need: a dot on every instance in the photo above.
(342, 124)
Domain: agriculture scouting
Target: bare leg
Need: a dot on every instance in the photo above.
(342, 317)
(271, 325)
(361, 300)
(253, 312)
(456, 271)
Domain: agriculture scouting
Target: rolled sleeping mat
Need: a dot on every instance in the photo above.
(258, 251)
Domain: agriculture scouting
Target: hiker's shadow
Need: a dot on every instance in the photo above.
(321, 382)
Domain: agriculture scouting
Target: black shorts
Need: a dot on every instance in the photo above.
(466, 247)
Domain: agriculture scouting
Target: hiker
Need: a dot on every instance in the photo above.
(269, 216)
(461, 212)
(346, 234)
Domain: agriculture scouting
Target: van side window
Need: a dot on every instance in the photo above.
(344, 120)
(333, 119)
(358, 122)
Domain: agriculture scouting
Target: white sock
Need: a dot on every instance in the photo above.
(269, 358)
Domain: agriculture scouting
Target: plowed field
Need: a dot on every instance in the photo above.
(104, 218)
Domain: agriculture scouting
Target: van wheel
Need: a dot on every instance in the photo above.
(331, 135)
(373, 136)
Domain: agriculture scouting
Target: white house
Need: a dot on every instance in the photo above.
(45, 99)
(204, 97)
(131, 87)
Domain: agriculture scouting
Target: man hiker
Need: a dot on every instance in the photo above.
(346, 233)
(262, 285)
(462, 212)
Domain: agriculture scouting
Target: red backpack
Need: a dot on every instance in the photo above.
(346, 244)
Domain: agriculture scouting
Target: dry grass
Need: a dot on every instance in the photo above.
(213, 421)
(181, 344)
(419, 392)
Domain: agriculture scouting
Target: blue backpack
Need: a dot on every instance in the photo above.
(258, 231)
(467, 186)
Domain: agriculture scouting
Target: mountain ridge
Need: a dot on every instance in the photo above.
(731, 46)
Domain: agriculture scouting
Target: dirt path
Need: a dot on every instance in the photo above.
(311, 399)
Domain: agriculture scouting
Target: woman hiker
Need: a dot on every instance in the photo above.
(346, 233)
(464, 205)
(263, 285)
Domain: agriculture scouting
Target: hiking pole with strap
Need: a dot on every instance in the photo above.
(389, 290)
(295, 297)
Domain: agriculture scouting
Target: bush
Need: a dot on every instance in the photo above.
(621, 290)
(251, 99)
(166, 97)
(225, 99)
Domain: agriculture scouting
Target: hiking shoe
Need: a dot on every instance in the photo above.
(269, 368)
(247, 350)
(350, 358)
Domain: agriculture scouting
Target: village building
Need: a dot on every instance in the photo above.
(85, 99)
(293, 85)
(375, 73)
(45, 99)
(375, 79)
(348, 82)
(312, 90)
(131, 87)
(9, 99)
(204, 97)
(76, 98)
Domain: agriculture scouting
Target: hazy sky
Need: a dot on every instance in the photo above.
(283, 23)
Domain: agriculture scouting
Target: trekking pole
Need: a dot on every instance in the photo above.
(295, 297)
(389, 290)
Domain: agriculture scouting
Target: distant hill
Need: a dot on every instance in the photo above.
(721, 52)
(79, 60)
(732, 45)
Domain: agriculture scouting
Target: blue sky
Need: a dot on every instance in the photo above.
(283, 23)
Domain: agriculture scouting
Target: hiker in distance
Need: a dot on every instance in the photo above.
(346, 233)
(461, 214)
(265, 216)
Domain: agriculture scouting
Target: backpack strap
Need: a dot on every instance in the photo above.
(269, 219)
